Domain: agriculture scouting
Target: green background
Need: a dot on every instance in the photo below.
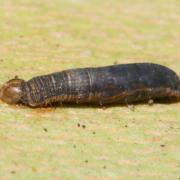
(40, 37)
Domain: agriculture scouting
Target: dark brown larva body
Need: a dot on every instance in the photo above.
(124, 83)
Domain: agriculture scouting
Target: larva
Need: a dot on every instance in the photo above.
(125, 83)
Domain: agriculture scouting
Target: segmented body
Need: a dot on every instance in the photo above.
(124, 83)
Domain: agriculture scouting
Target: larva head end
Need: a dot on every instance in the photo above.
(11, 92)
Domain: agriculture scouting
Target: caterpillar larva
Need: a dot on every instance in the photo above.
(126, 83)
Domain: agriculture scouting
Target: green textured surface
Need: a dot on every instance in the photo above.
(39, 37)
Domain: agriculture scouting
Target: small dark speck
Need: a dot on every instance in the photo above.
(104, 167)
(86, 161)
(78, 125)
(1, 60)
(15, 163)
(126, 126)
(84, 126)
(94, 132)
(162, 145)
(34, 169)
(13, 172)
(74, 146)
(45, 129)
(57, 45)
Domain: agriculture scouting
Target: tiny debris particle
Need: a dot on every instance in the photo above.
(13, 172)
(94, 132)
(45, 129)
(83, 126)
(126, 126)
(86, 161)
(104, 167)
(78, 125)
(74, 146)
(151, 102)
(162, 145)
(57, 45)
(34, 169)
(131, 107)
